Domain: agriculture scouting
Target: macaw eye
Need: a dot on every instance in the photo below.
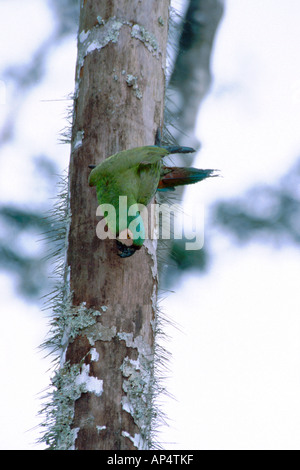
(126, 237)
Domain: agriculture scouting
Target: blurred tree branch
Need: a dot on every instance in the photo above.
(188, 85)
(267, 213)
(191, 75)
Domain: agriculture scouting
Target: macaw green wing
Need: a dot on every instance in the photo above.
(126, 160)
(153, 155)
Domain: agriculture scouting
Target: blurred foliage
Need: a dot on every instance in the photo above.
(268, 213)
(264, 213)
(66, 15)
(179, 261)
(20, 253)
(187, 259)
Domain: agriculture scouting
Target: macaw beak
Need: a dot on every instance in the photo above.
(126, 251)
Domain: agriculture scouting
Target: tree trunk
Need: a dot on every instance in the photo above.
(109, 341)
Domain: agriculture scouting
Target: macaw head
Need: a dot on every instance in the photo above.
(132, 238)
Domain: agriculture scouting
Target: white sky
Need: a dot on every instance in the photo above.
(236, 363)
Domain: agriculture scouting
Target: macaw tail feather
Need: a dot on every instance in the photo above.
(175, 176)
(171, 148)
(178, 149)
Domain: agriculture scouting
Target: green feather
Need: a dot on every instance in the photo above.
(132, 173)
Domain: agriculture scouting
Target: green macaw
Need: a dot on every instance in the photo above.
(137, 173)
